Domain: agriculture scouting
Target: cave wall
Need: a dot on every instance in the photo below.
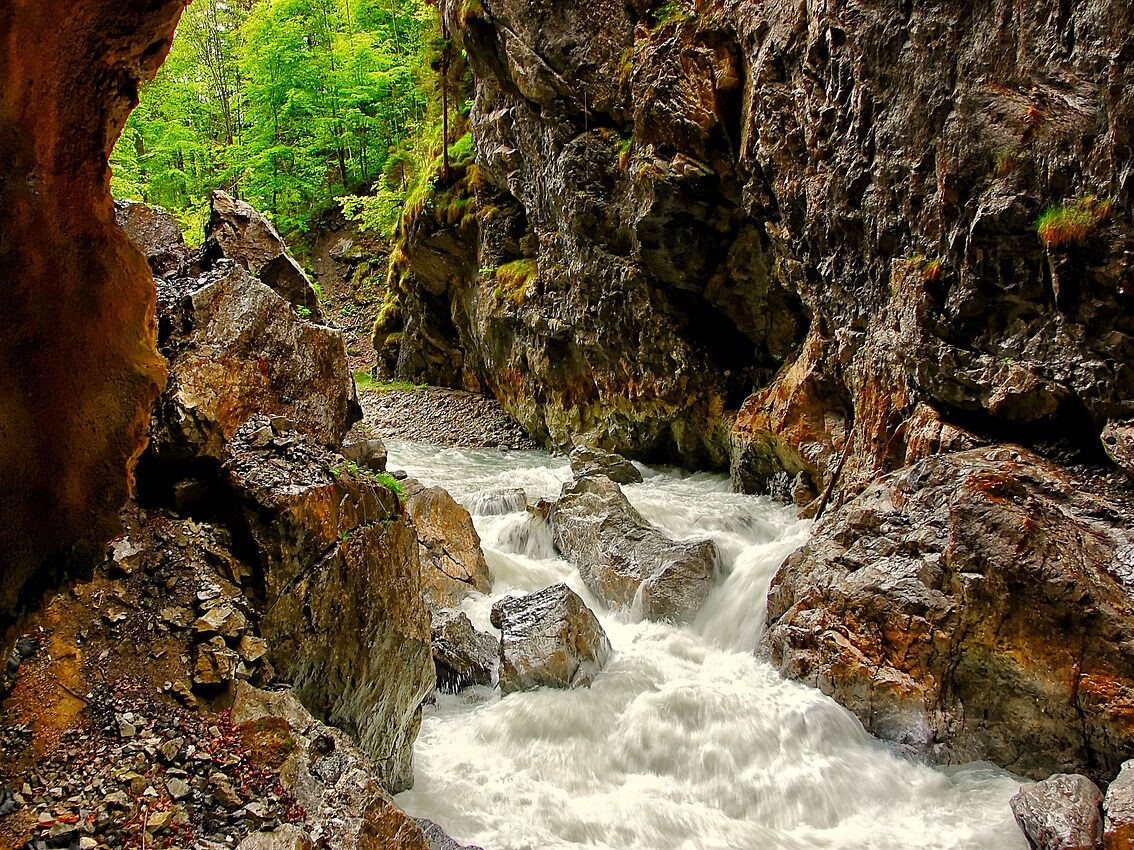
(785, 233)
(78, 365)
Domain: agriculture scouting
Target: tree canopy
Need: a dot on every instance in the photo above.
(289, 104)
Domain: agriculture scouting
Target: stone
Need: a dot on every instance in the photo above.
(548, 639)
(587, 460)
(225, 620)
(364, 448)
(438, 839)
(178, 788)
(236, 349)
(974, 606)
(156, 233)
(1118, 441)
(624, 560)
(1118, 808)
(462, 655)
(215, 663)
(452, 562)
(324, 534)
(239, 232)
(1060, 813)
(283, 837)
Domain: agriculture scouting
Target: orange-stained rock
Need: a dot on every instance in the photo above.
(78, 368)
(973, 606)
(452, 562)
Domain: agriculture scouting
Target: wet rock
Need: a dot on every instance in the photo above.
(156, 233)
(326, 537)
(462, 655)
(365, 448)
(587, 460)
(1060, 813)
(1118, 441)
(452, 562)
(1118, 808)
(239, 232)
(974, 606)
(438, 839)
(239, 350)
(285, 837)
(548, 639)
(624, 560)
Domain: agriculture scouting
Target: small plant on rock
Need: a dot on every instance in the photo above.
(1069, 224)
(514, 278)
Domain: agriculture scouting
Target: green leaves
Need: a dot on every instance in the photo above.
(289, 104)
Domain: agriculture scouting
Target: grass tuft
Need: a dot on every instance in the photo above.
(1071, 224)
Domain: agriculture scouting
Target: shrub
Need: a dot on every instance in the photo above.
(514, 278)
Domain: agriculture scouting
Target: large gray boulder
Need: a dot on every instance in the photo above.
(1060, 813)
(343, 613)
(548, 639)
(236, 348)
(156, 233)
(587, 460)
(974, 606)
(625, 561)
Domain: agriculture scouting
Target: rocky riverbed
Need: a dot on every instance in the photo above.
(442, 417)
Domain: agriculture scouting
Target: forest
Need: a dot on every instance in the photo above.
(291, 105)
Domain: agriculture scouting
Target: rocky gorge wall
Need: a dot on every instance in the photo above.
(78, 367)
(753, 232)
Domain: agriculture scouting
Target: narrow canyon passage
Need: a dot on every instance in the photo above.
(686, 739)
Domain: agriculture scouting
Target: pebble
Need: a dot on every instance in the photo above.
(443, 417)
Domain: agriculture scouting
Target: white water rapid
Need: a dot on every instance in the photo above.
(686, 739)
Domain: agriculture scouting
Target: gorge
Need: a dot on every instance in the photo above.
(873, 260)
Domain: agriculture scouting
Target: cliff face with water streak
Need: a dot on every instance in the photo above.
(78, 367)
(820, 216)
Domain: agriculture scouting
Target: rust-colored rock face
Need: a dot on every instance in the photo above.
(78, 368)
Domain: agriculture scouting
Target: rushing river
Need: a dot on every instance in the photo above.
(686, 739)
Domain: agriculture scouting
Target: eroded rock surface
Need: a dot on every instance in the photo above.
(973, 606)
(626, 561)
(1118, 807)
(452, 562)
(548, 639)
(1060, 813)
(156, 233)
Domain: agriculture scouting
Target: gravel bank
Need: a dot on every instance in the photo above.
(442, 417)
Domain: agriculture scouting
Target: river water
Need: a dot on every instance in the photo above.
(687, 739)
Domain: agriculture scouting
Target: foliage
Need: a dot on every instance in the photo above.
(671, 12)
(1074, 222)
(286, 103)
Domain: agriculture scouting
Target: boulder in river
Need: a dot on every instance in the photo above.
(452, 562)
(462, 655)
(498, 502)
(1118, 825)
(587, 460)
(1060, 813)
(974, 606)
(364, 447)
(548, 639)
(626, 561)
